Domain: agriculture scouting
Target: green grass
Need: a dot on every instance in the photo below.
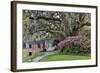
(27, 58)
(57, 57)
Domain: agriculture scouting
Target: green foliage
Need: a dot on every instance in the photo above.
(86, 18)
(25, 21)
(53, 36)
(85, 29)
(73, 49)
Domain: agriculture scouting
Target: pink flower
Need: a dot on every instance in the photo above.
(79, 40)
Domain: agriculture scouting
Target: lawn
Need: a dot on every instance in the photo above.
(27, 58)
(55, 57)
(58, 57)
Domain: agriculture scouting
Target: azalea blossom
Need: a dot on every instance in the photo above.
(78, 40)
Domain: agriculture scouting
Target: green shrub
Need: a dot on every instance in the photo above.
(74, 49)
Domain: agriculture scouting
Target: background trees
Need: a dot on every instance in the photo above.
(40, 24)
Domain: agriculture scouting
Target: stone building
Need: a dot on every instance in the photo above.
(38, 45)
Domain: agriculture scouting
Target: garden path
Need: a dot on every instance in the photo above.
(37, 59)
(50, 51)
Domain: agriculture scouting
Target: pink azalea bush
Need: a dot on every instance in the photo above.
(78, 40)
